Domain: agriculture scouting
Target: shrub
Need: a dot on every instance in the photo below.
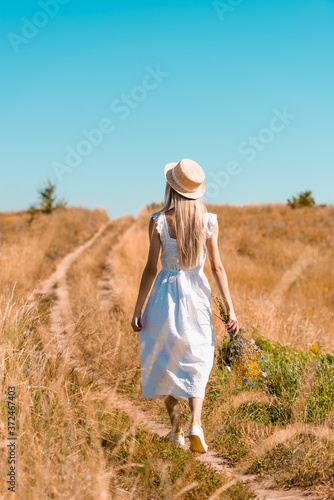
(304, 199)
(47, 201)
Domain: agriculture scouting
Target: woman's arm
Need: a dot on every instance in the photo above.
(220, 278)
(148, 275)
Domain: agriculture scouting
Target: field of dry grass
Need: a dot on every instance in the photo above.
(30, 249)
(259, 247)
(73, 444)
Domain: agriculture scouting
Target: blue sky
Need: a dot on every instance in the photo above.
(242, 87)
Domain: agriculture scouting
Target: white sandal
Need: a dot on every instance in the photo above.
(196, 436)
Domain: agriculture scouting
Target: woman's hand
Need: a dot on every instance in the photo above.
(136, 322)
(232, 325)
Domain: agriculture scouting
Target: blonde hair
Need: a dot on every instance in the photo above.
(190, 226)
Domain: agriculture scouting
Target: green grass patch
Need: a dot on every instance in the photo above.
(298, 388)
(161, 468)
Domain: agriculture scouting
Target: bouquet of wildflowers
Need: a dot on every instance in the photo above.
(243, 355)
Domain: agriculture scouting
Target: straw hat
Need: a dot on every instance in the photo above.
(186, 177)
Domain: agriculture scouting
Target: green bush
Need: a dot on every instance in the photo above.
(47, 201)
(304, 199)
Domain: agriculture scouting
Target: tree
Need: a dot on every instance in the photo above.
(304, 199)
(48, 200)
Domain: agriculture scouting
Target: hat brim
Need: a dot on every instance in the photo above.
(192, 196)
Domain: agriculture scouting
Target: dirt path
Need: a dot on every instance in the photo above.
(291, 275)
(61, 321)
(60, 273)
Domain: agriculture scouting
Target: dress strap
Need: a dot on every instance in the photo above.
(158, 219)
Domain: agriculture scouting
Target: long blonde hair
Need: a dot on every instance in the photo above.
(190, 226)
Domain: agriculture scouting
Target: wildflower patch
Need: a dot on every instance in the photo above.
(244, 356)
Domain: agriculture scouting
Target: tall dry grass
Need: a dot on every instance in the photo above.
(105, 342)
(263, 249)
(70, 443)
(30, 251)
(258, 246)
(72, 446)
(103, 335)
(58, 419)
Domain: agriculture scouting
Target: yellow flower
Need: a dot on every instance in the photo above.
(314, 349)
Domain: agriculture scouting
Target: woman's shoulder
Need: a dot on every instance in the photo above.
(158, 222)
(166, 213)
(211, 216)
(211, 219)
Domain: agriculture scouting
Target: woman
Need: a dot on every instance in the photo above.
(175, 331)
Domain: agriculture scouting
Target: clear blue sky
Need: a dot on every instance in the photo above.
(225, 76)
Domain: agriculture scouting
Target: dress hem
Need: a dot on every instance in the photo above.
(176, 396)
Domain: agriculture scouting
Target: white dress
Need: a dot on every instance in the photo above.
(177, 340)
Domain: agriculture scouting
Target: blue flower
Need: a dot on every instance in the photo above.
(253, 384)
(262, 357)
(244, 380)
(248, 367)
(28, 386)
(29, 331)
(28, 370)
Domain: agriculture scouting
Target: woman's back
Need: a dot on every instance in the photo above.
(177, 340)
(165, 223)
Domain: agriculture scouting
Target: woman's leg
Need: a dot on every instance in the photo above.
(173, 409)
(196, 410)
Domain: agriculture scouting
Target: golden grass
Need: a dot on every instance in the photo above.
(56, 455)
(70, 444)
(259, 245)
(281, 436)
(102, 336)
(61, 420)
(29, 252)
(251, 397)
